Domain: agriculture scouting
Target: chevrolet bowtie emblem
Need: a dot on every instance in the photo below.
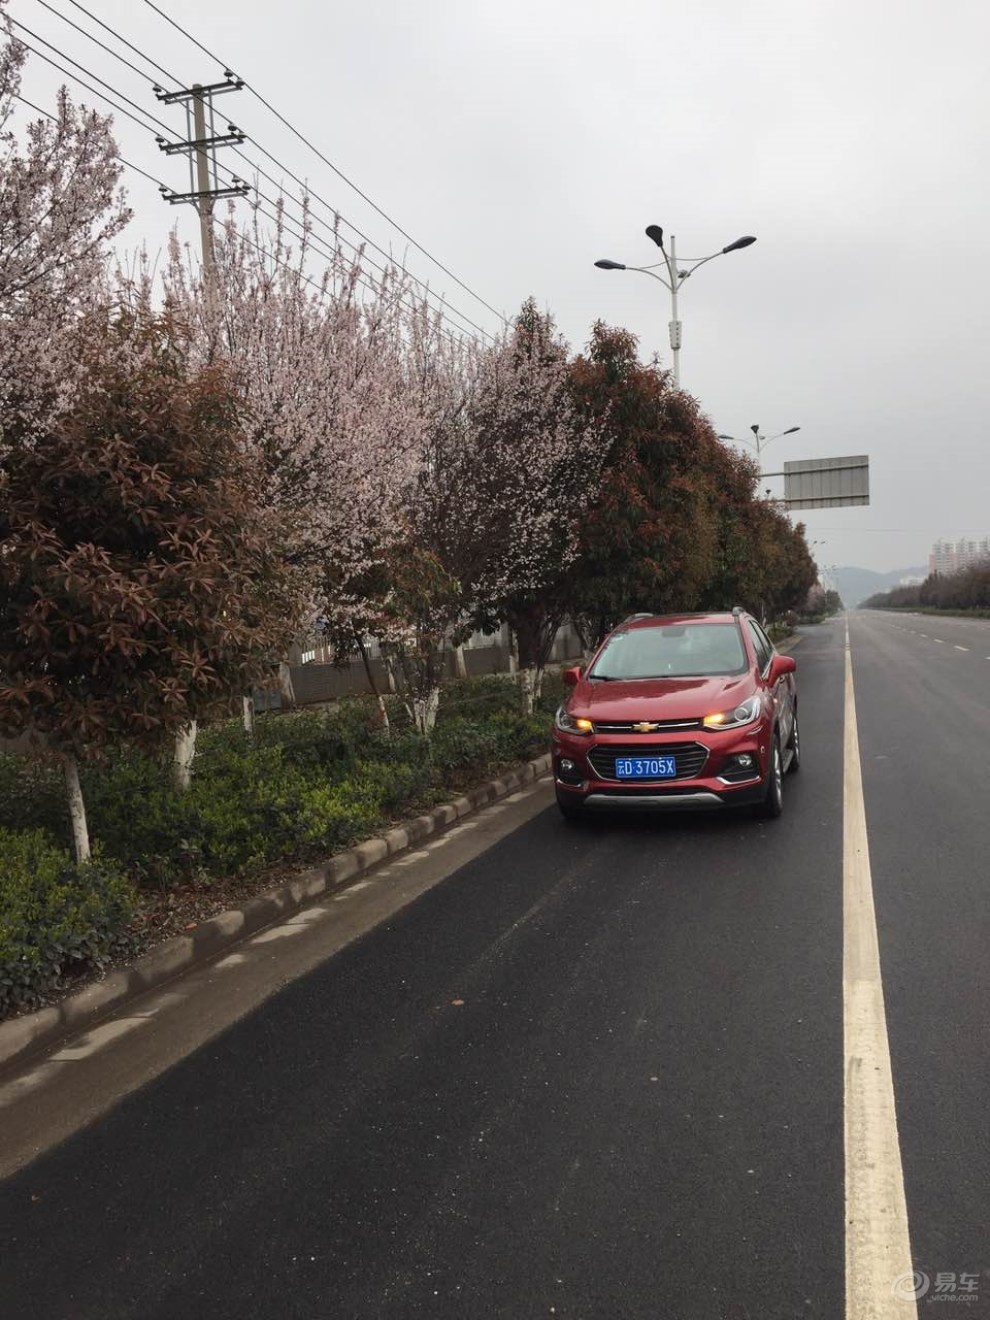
(646, 727)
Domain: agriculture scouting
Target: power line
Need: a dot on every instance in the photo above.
(325, 250)
(123, 40)
(307, 279)
(89, 73)
(329, 163)
(216, 220)
(428, 292)
(123, 160)
(103, 46)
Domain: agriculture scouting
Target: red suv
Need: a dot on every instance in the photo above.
(678, 711)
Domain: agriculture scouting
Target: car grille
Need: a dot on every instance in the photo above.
(689, 757)
(659, 726)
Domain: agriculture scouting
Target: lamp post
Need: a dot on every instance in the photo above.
(675, 278)
(759, 442)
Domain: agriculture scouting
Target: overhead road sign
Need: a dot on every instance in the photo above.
(827, 483)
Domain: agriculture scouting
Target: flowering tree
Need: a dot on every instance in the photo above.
(141, 583)
(539, 458)
(330, 414)
(508, 465)
(59, 207)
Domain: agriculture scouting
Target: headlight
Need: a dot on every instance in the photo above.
(745, 713)
(571, 724)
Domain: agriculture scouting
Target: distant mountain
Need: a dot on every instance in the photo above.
(858, 584)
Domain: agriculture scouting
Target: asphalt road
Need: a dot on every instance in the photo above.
(597, 1071)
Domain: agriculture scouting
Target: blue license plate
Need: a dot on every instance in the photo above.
(645, 767)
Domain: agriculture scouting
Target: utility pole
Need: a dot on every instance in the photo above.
(201, 144)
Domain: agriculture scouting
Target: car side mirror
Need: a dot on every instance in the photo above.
(572, 676)
(779, 666)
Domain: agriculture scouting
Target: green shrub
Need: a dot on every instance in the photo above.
(397, 783)
(326, 741)
(32, 795)
(136, 814)
(480, 746)
(476, 698)
(305, 781)
(54, 915)
(338, 814)
(244, 809)
(779, 632)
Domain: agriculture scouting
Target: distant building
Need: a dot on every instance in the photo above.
(949, 557)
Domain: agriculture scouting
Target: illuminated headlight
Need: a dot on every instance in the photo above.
(745, 713)
(570, 724)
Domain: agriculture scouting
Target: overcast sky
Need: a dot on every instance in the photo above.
(519, 142)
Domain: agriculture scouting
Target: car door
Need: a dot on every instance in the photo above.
(783, 689)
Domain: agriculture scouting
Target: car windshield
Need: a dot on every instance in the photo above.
(672, 651)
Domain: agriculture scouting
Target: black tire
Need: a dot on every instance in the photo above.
(773, 801)
(794, 747)
(568, 807)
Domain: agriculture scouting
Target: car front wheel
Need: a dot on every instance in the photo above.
(773, 800)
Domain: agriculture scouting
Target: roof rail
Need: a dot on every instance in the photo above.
(631, 617)
(737, 610)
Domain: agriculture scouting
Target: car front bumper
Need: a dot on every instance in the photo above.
(577, 780)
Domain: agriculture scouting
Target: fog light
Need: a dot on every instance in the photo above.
(744, 761)
(569, 772)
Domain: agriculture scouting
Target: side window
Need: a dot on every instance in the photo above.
(761, 644)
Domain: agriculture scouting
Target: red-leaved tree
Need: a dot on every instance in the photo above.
(141, 580)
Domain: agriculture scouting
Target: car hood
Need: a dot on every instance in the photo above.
(622, 701)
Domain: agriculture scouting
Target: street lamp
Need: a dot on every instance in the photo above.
(675, 278)
(759, 442)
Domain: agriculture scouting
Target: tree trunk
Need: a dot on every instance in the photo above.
(77, 807)
(247, 715)
(527, 690)
(424, 710)
(373, 685)
(460, 664)
(285, 685)
(182, 759)
(383, 711)
(513, 651)
(393, 687)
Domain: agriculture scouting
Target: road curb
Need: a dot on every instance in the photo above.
(33, 1031)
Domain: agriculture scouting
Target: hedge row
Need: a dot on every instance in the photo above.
(54, 915)
(304, 785)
